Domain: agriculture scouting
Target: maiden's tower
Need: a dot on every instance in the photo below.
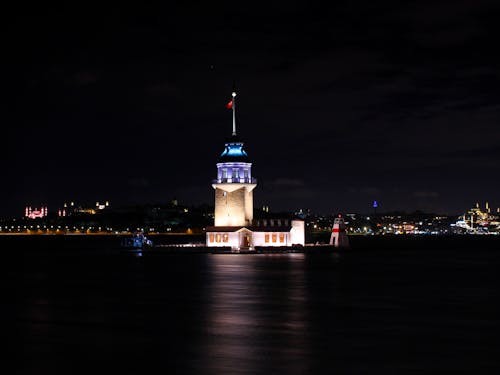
(234, 225)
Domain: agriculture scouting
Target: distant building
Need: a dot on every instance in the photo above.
(479, 221)
(233, 218)
(72, 209)
(35, 213)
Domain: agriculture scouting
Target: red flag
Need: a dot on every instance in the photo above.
(229, 105)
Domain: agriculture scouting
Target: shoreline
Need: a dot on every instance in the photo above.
(64, 233)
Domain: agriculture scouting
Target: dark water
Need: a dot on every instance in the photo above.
(391, 306)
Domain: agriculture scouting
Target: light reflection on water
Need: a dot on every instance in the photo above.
(251, 323)
(360, 312)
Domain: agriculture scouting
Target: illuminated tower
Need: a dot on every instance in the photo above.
(234, 184)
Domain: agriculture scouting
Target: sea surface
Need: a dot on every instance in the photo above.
(398, 305)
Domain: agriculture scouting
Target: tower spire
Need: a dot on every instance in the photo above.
(234, 111)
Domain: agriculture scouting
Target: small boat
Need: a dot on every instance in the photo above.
(137, 242)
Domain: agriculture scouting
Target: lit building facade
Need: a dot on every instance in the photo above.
(233, 217)
(35, 213)
(74, 209)
(477, 221)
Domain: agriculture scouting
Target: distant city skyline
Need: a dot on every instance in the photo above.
(79, 219)
(35, 211)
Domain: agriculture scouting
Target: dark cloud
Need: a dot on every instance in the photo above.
(284, 182)
(84, 78)
(139, 182)
(426, 194)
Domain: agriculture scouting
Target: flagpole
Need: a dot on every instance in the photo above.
(234, 112)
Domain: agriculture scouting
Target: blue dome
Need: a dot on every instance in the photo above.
(234, 152)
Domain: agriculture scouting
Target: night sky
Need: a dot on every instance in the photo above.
(338, 106)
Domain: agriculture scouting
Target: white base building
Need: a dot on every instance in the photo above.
(291, 233)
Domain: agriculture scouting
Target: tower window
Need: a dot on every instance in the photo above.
(224, 173)
(274, 236)
(211, 235)
(282, 237)
(235, 173)
(245, 173)
(266, 237)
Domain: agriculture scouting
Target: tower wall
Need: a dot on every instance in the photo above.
(248, 206)
(234, 208)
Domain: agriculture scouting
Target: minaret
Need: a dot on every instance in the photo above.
(234, 184)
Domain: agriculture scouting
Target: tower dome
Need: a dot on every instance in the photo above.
(234, 151)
